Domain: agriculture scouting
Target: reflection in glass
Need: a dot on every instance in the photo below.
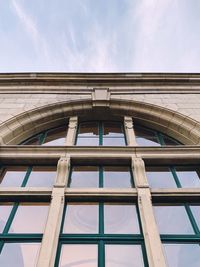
(114, 141)
(29, 218)
(123, 256)
(32, 141)
(112, 129)
(160, 177)
(196, 213)
(12, 176)
(173, 220)
(117, 177)
(188, 178)
(87, 141)
(84, 255)
(88, 129)
(146, 137)
(85, 176)
(120, 219)
(5, 210)
(56, 137)
(182, 255)
(81, 218)
(19, 254)
(169, 141)
(42, 176)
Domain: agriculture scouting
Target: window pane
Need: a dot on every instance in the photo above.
(117, 177)
(196, 213)
(5, 210)
(12, 176)
(160, 177)
(19, 254)
(182, 255)
(146, 137)
(115, 141)
(188, 178)
(90, 141)
(29, 218)
(120, 219)
(88, 129)
(169, 141)
(173, 220)
(42, 176)
(32, 141)
(112, 129)
(56, 137)
(85, 176)
(123, 256)
(78, 255)
(81, 218)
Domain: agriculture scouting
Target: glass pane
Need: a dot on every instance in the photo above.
(42, 176)
(19, 254)
(81, 218)
(83, 255)
(32, 141)
(173, 220)
(117, 177)
(111, 129)
(56, 137)
(196, 213)
(123, 256)
(85, 176)
(90, 141)
(12, 176)
(169, 141)
(5, 210)
(29, 218)
(120, 219)
(160, 177)
(146, 137)
(88, 129)
(188, 178)
(182, 255)
(115, 141)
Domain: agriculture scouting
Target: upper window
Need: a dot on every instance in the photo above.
(100, 134)
(51, 137)
(148, 137)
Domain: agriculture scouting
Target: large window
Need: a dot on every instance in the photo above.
(101, 234)
(100, 133)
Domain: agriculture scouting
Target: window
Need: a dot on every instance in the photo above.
(173, 176)
(21, 228)
(100, 133)
(179, 229)
(148, 137)
(91, 230)
(30, 176)
(101, 176)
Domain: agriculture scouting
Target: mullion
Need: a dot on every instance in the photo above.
(28, 172)
(101, 176)
(101, 129)
(42, 137)
(192, 219)
(160, 138)
(174, 174)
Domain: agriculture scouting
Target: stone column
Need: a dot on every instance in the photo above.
(71, 133)
(129, 131)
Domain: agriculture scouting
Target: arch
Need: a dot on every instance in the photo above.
(26, 124)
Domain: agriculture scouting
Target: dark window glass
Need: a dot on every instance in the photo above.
(32, 141)
(55, 137)
(19, 254)
(169, 141)
(12, 176)
(88, 129)
(146, 137)
(112, 129)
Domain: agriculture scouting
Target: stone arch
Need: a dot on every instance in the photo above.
(28, 123)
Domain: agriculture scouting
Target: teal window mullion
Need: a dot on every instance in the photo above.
(101, 254)
(101, 178)
(10, 219)
(160, 138)
(192, 219)
(173, 171)
(42, 137)
(100, 126)
(101, 218)
(26, 176)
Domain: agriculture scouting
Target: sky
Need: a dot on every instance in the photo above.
(99, 36)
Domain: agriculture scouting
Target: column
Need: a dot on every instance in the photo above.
(71, 133)
(129, 131)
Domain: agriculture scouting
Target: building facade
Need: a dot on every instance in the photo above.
(100, 170)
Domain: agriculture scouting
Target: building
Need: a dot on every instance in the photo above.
(100, 170)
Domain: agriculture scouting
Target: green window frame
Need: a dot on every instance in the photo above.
(101, 176)
(100, 129)
(101, 239)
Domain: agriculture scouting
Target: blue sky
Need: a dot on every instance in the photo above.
(99, 36)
